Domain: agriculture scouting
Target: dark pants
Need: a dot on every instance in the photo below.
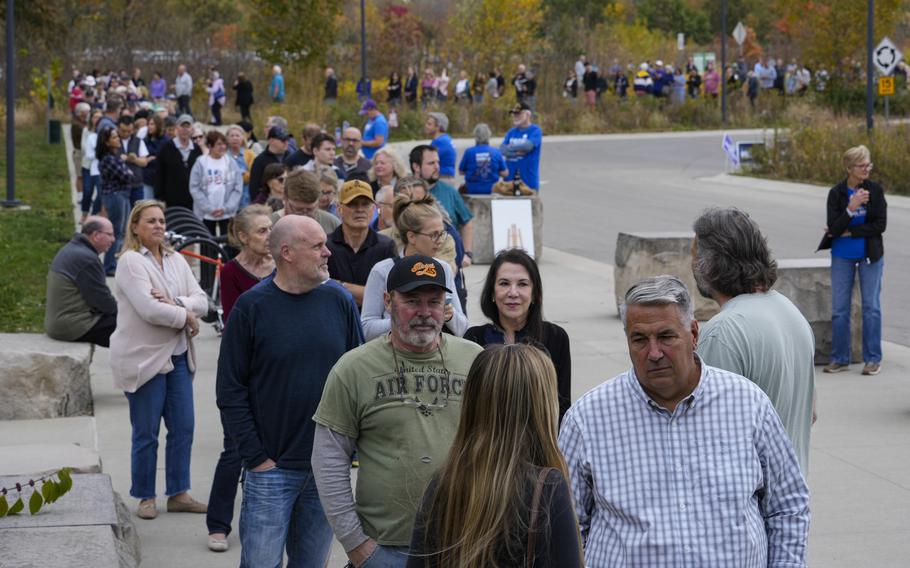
(216, 113)
(100, 334)
(245, 113)
(91, 200)
(183, 105)
(224, 487)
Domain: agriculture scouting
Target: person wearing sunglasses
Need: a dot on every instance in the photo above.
(420, 226)
(398, 399)
(857, 217)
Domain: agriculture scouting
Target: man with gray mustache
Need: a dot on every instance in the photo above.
(398, 399)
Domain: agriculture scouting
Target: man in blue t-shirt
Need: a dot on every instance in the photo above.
(376, 130)
(482, 165)
(436, 128)
(271, 372)
(276, 87)
(521, 147)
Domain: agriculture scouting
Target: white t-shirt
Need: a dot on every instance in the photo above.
(215, 185)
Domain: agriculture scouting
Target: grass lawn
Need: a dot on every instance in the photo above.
(29, 239)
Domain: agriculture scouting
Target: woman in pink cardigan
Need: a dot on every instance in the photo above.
(158, 300)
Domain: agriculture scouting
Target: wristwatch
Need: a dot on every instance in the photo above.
(469, 254)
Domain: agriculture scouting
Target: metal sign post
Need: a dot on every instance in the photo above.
(885, 57)
(11, 200)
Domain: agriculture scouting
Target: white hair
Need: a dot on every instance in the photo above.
(659, 291)
(276, 69)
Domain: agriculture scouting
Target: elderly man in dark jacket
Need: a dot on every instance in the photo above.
(80, 306)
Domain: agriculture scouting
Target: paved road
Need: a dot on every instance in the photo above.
(603, 185)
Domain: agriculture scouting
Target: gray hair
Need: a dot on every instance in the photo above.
(482, 133)
(659, 291)
(731, 254)
(441, 120)
(278, 121)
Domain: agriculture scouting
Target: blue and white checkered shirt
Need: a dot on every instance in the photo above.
(715, 483)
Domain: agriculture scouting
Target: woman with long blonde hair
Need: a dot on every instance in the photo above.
(501, 499)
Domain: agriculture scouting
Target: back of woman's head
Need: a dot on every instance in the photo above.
(242, 222)
(507, 432)
(410, 214)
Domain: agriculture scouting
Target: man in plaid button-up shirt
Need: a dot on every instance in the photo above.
(675, 463)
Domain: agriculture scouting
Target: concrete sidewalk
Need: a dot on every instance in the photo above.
(860, 445)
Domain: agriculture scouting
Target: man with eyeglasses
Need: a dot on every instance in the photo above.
(398, 399)
(355, 247)
(80, 306)
(175, 162)
(350, 160)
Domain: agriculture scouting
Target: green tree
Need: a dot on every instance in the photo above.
(285, 31)
(489, 32)
(674, 16)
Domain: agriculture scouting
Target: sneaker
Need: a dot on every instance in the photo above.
(217, 544)
(147, 509)
(185, 505)
(872, 368)
(836, 368)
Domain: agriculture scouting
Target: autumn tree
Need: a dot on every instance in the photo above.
(490, 32)
(285, 31)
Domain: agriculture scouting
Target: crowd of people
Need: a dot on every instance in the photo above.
(348, 343)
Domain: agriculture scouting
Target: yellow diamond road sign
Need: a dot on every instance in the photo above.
(885, 86)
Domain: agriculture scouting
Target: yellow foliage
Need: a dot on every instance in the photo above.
(492, 31)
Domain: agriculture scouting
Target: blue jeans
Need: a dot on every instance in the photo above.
(90, 185)
(118, 212)
(281, 510)
(168, 396)
(387, 557)
(140, 193)
(224, 487)
(870, 286)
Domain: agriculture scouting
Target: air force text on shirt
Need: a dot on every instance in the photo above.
(416, 380)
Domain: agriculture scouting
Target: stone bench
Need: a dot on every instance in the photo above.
(645, 254)
(89, 526)
(44, 378)
(807, 282)
(481, 208)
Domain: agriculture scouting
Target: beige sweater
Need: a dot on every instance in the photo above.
(148, 331)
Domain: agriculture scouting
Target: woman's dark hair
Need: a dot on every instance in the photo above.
(159, 126)
(101, 147)
(534, 326)
(271, 172)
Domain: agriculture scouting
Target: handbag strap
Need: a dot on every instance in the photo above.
(535, 513)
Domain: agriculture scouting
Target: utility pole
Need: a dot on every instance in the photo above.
(363, 43)
(870, 38)
(11, 200)
(723, 61)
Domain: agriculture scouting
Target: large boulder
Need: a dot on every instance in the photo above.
(807, 282)
(481, 208)
(645, 254)
(43, 378)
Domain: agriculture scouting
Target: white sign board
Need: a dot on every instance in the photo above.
(730, 149)
(680, 41)
(886, 56)
(513, 225)
(739, 33)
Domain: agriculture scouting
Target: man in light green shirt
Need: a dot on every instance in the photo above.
(398, 399)
(758, 333)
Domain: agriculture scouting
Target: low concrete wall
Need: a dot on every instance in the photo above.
(44, 378)
(645, 254)
(481, 208)
(807, 282)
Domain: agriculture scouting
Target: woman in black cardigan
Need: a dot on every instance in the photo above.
(512, 299)
(857, 216)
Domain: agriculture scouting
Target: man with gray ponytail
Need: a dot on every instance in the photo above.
(758, 333)
(675, 462)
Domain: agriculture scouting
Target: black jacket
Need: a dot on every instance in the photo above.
(244, 91)
(172, 176)
(871, 230)
(258, 167)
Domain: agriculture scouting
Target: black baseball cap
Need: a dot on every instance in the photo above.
(279, 133)
(519, 107)
(414, 271)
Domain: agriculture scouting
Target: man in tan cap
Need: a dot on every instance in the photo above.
(355, 246)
